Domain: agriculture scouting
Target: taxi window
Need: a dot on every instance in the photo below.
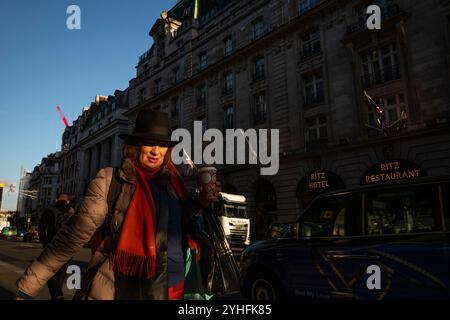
(326, 218)
(446, 203)
(402, 210)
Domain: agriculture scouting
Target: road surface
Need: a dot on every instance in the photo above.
(15, 256)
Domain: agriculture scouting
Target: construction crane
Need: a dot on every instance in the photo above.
(63, 118)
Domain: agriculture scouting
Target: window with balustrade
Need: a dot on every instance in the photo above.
(310, 43)
(260, 108)
(306, 5)
(394, 109)
(201, 95)
(204, 121)
(313, 89)
(158, 87)
(228, 45)
(175, 109)
(203, 60)
(176, 74)
(229, 116)
(140, 95)
(259, 67)
(259, 29)
(380, 65)
(316, 128)
(228, 83)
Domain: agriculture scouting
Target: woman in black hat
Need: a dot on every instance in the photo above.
(141, 222)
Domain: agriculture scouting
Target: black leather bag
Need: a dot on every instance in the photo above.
(224, 275)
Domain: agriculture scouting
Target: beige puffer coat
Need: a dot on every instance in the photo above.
(98, 283)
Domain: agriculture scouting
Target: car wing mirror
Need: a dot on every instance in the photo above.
(306, 230)
(294, 230)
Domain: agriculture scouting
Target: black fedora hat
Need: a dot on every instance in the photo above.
(151, 126)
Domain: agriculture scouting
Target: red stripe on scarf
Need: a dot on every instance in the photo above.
(177, 291)
(135, 254)
(136, 251)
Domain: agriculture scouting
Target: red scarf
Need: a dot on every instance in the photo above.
(135, 254)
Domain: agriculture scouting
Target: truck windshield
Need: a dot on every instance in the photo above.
(235, 211)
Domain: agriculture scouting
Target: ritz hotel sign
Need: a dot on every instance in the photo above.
(318, 180)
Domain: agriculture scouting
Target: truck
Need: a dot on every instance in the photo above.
(3, 221)
(232, 214)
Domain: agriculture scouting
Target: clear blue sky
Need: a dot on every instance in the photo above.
(43, 64)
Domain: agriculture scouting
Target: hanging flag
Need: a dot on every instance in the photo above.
(381, 119)
(189, 162)
(196, 10)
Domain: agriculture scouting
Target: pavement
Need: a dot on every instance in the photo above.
(16, 255)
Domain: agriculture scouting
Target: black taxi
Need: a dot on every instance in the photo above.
(388, 241)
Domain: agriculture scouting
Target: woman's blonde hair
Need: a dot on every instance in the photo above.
(132, 151)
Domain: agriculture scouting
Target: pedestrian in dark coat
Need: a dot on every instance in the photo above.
(141, 242)
(51, 221)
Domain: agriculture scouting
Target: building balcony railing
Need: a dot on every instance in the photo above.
(388, 12)
(385, 75)
(157, 92)
(316, 145)
(310, 50)
(395, 128)
(311, 100)
(259, 117)
(176, 80)
(260, 32)
(306, 6)
(227, 90)
(259, 75)
(201, 102)
(228, 50)
(211, 14)
(136, 81)
(147, 55)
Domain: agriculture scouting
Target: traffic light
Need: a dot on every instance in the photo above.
(1, 194)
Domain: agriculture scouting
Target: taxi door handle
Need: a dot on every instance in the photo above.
(338, 255)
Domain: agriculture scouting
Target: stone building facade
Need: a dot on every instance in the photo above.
(24, 183)
(92, 142)
(303, 67)
(38, 189)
